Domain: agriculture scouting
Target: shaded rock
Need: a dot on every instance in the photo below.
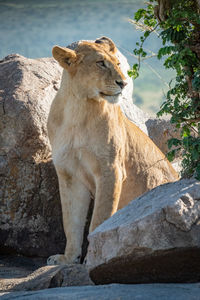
(72, 275)
(114, 292)
(160, 131)
(31, 221)
(47, 277)
(16, 266)
(19, 273)
(39, 279)
(155, 238)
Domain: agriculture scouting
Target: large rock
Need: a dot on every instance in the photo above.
(31, 221)
(155, 238)
(114, 292)
(27, 274)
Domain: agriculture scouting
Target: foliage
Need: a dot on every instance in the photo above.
(178, 26)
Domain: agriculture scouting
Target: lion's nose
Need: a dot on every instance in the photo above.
(122, 84)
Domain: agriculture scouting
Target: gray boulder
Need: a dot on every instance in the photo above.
(31, 220)
(114, 292)
(155, 238)
(46, 277)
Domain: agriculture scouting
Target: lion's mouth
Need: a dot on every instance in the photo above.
(109, 95)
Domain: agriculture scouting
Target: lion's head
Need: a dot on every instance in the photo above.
(93, 70)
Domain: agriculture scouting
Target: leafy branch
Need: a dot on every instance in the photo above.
(178, 25)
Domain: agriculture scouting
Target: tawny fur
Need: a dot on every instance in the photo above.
(96, 150)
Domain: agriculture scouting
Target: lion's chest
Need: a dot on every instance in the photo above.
(86, 152)
(66, 147)
(75, 153)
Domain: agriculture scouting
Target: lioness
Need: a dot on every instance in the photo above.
(96, 150)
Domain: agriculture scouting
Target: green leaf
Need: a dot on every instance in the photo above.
(139, 14)
(134, 72)
(185, 132)
(146, 34)
(197, 172)
(173, 142)
(196, 81)
(171, 155)
(195, 154)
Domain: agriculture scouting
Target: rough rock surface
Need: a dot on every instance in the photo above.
(160, 131)
(20, 273)
(17, 266)
(31, 221)
(155, 238)
(114, 292)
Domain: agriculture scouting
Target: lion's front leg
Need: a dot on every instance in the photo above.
(107, 196)
(75, 200)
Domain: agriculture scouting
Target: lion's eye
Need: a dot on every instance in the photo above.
(101, 63)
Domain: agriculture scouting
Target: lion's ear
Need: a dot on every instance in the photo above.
(107, 42)
(64, 56)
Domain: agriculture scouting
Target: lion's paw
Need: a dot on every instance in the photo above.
(58, 259)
